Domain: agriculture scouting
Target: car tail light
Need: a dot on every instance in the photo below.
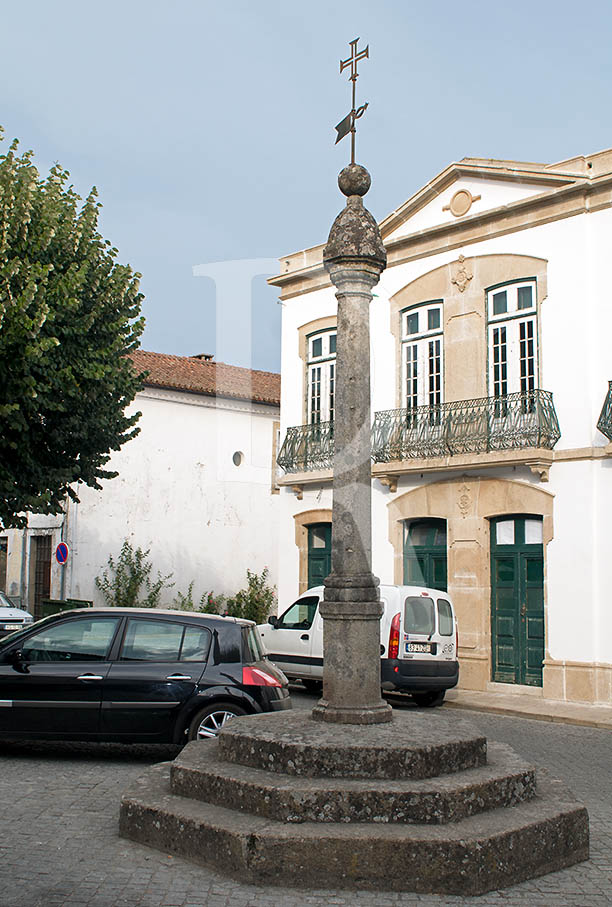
(256, 677)
(394, 637)
(456, 639)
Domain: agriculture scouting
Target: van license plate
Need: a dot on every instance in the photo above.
(418, 647)
(12, 626)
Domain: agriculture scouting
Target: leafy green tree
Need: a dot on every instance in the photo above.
(69, 317)
(127, 583)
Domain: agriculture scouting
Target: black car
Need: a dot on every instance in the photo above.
(133, 675)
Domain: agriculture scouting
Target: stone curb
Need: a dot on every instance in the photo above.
(545, 710)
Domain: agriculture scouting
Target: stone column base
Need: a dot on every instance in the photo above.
(351, 662)
(368, 715)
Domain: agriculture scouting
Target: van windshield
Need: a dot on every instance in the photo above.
(419, 615)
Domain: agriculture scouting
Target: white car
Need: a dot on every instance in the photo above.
(418, 641)
(12, 618)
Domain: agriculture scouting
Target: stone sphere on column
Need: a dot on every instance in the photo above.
(354, 180)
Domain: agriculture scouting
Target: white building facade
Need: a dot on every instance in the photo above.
(490, 367)
(196, 487)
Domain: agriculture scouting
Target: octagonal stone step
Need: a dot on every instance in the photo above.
(413, 745)
(477, 854)
(199, 772)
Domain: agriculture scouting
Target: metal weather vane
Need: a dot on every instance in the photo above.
(348, 123)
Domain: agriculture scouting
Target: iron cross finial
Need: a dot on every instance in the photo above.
(354, 59)
(348, 123)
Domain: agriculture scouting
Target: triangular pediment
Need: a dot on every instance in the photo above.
(472, 186)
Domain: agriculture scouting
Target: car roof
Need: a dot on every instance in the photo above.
(152, 612)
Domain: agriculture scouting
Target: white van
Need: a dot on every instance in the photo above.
(418, 641)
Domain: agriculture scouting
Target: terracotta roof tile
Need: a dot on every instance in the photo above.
(212, 378)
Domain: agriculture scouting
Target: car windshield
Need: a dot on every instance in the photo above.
(5, 601)
(419, 615)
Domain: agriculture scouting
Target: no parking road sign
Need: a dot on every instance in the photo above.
(61, 553)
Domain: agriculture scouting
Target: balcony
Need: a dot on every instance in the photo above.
(466, 427)
(307, 448)
(484, 431)
(605, 420)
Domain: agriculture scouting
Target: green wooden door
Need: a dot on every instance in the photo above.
(319, 553)
(425, 553)
(517, 600)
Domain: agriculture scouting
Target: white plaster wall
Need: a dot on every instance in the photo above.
(573, 609)
(602, 587)
(179, 494)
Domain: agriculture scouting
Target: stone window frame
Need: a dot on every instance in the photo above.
(462, 284)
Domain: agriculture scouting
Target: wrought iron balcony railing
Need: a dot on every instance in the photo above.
(605, 420)
(307, 447)
(466, 426)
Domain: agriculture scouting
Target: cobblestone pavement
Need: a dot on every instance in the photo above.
(59, 842)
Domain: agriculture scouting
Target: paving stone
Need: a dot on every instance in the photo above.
(38, 780)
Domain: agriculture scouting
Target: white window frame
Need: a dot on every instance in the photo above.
(512, 341)
(422, 356)
(321, 376)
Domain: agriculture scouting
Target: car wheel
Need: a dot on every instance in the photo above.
(312, 685)
(208, 721)
(430, 699)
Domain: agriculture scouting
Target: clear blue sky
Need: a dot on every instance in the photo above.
(208, 127)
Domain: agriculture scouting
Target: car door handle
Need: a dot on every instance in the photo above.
(304, 636)
(90, 677)
(178, 677)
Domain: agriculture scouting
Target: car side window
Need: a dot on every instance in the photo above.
(164, 640)
(81, 639)
(196, 644)
(300, 615)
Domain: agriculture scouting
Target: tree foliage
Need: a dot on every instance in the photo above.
(69, 317)
(127, 583)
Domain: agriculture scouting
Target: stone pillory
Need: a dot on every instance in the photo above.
(354, 257)
(420, 803)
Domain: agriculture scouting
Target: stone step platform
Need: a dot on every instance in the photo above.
(479, 853)
(413, 745)
(201, 773)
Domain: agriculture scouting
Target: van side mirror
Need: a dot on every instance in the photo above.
(272, 620)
